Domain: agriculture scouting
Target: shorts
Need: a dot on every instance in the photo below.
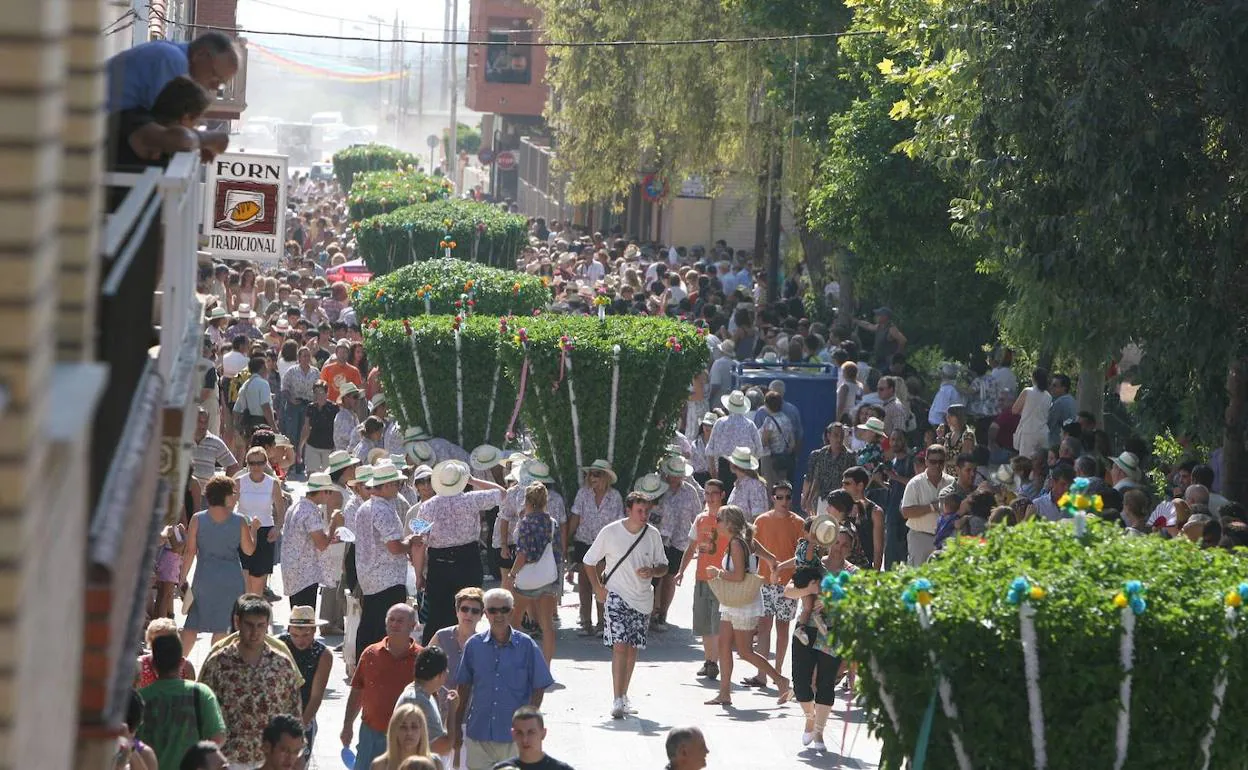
(539, 592)
(260, 563)
(624, 625)
(674, 557)
(579, 550)
(775, 605)
(705, 610)
(741, 618)
(168, 566)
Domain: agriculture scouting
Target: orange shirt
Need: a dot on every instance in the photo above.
(380, 678)
(335, 374)
(778, 534)
(711, 544)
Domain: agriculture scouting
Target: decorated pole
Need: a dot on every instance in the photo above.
(673, 346)
(615, 401)
(420, 384)
(1130, 602)
(918, 598)
(459, 382)
(1022, 593)
(1234, 600)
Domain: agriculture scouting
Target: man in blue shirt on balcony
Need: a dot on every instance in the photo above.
(137, 75)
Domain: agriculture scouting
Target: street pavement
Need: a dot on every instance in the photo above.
(754, 733)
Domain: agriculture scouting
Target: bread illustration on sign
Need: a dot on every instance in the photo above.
(242, 208)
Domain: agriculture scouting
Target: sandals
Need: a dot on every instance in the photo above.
(754, 681)
(718, 701)
(786, 694)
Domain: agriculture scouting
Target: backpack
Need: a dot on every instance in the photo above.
(236, 385)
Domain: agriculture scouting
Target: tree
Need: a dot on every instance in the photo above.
(1101, 149)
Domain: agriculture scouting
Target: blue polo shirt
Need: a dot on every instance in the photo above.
(137, 75)
(503, 678)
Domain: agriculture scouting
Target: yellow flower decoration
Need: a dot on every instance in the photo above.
(1082, 502)
(1233, 599)
(1037, 593)
(1063, 501)
(1097, 503)
(1120, 600)
(924, 598)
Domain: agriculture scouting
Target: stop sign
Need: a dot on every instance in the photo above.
(506, 160)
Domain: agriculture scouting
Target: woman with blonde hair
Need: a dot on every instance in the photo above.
(146, 673)
(534, 535)
(406, 737)
(738, 624)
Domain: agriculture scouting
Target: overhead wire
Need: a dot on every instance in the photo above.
(367, 22)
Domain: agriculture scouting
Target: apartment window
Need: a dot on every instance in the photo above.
(506, 60)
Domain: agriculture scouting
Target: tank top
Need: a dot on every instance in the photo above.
(1035, 416)
(885, 346)
(255, 499)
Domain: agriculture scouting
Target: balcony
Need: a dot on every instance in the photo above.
(232, 97)
(150, 322)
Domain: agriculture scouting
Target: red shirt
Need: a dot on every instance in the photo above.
(1007, 423)
(380, 677)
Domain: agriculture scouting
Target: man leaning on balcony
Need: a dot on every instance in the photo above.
(137, 75)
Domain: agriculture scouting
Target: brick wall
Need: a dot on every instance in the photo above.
(221, 14)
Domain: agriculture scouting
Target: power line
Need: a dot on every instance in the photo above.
(552, 44)
(365, 22)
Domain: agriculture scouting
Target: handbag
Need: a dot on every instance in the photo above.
(742, 593)
(543, 572)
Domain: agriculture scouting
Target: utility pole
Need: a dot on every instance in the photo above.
(453, 150)
(420, 85)
(773, 229)
(446, 54)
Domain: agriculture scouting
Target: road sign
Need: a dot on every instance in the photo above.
(506, 160)
(432, 141)
(486, 156)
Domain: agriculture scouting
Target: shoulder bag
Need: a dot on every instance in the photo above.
(540, 573)
(624, 558)
(741, 593)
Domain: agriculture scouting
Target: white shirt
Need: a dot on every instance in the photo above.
(595, 271)
(921, 491)
(232, 363)
(611, 544)
(1006, 379)
(946, 397)
(255, 499)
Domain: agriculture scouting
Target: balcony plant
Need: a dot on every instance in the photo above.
(369, 157)
(433, 287)
(1037, 647)
(477, 232)
(378, 192)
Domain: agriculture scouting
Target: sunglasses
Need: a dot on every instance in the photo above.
(470, 609)
(498, 610)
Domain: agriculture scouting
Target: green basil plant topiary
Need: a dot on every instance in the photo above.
(444, 282)
(379, 192)
(478, 232)
(1036, 634)
(657, 358)
(461, 395)
(369, 157)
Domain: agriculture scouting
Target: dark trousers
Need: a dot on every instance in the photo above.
(304, 598)
(727, 477)
(814, 672)
(373, 609)
(449, 570)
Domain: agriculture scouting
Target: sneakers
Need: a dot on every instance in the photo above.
(705, 670)
(817, 744)
(807, 738)
(618, 710)
(629, 708)
(270, 596)
(803, 636)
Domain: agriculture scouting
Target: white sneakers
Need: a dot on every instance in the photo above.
(807, 738)
(621, 707)
(817, 744)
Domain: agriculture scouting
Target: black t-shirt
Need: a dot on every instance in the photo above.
(321, 425)
(548, 763)
(210, 378)
(322, 355)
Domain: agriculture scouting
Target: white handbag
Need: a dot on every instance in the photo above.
(542, 572)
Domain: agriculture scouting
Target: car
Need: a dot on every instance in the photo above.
(353, 273)
(322, 170)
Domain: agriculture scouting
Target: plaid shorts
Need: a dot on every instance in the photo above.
(774, 603)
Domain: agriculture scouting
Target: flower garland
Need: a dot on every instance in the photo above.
(420, 382)
(918, 599)
(566, 346)
(1234, 600)
(459, 382)
(426, 293)
(1022, 593)
(522, 339)
(1130, 603)
(615, 398)
(645, 426)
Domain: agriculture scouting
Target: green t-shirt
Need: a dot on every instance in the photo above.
(177, 714)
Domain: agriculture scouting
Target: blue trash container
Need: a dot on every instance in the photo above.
(809, 387)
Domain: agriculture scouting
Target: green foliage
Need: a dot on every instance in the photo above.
(467, 139)
(495, 291)
(481, 233)
(369, 157)
(379, 192)
(390, 345)
(1180, 644)
(650, 373)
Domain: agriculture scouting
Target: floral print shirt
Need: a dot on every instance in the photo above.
(456, 519)
(731, 432)
(751, 496)
(377, 522)
(301, 561)
(827, 469)
(250, 696)
(674, 515)
(594, 516)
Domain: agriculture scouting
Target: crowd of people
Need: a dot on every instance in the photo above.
(392, 534)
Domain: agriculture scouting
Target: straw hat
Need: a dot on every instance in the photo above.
(742, 457)
(304, 615)
(244, 311)
(376, 401)
(416, 434)
(321, 482)
(384, 472)
(675, 465)
(875, 425)
(419, 451)
(601, 465)
(485, 457)
(450, 477)
(399, 462)
(341, 459)
(377, 454)
(709, 419)
(422, 473)
(362, 475)
(348, 389)
(824, 529)
(735, 402)
(650, 486)
(1129, 464)
(217, 312)
(537, 470)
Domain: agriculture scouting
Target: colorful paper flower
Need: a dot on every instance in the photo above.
(1236, 597)
(833, 586)
(515, 288)
(918, 593)
(1021, 589)
(567, 344)
(1131, 595)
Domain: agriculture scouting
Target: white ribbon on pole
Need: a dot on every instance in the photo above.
(420, 382)
(576, 421)
(459, 389)
(615, 401)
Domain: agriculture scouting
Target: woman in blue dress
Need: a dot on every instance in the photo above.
(216, 536)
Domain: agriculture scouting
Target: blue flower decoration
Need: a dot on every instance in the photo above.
(834, 585)
(1079, 485)
(1019, 589)
(1132, 595)
(918, 593)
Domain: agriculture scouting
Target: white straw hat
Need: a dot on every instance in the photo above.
(450, 477)
(742, 457)
(735, 402)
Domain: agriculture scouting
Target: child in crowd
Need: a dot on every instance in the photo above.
(808, 564)
(148, 137)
